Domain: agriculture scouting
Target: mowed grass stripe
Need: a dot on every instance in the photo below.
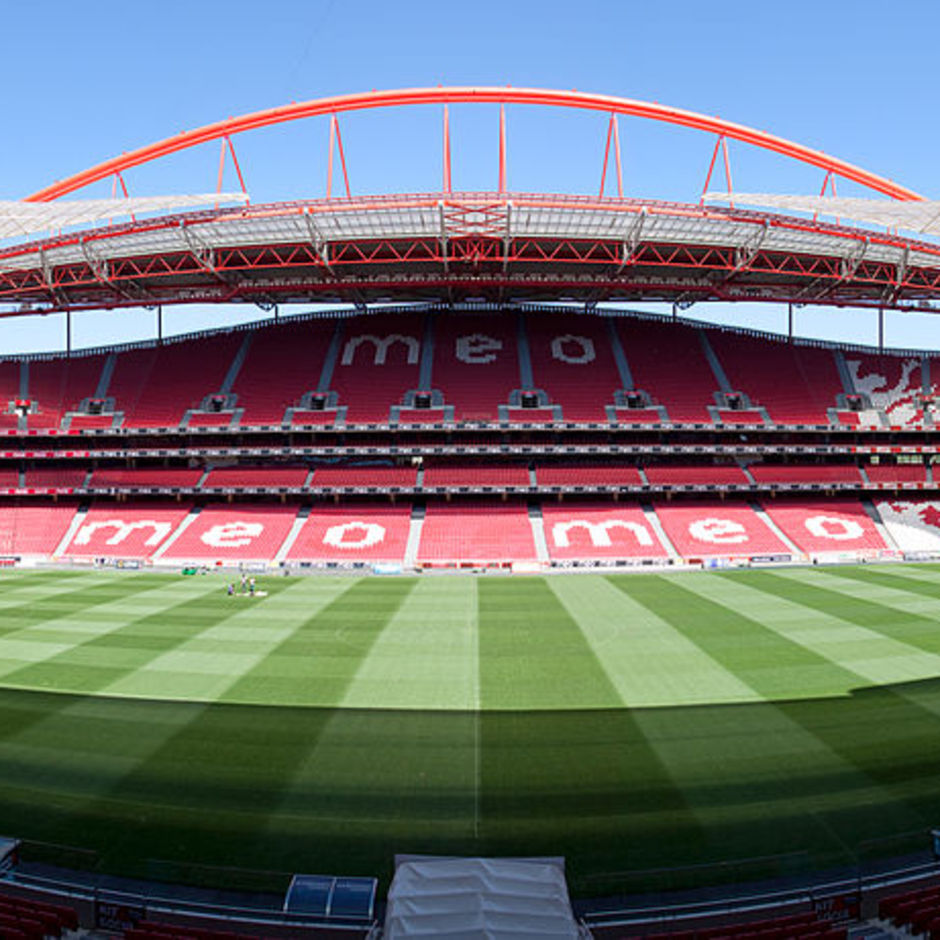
(316, 663)
(533, 653)
(208, 663)
(542, 771)
(770, 664)
(76, 600)
(16, 583)
(646, 659)
(837, 750)
(722, 756)
(867, 655)
(897, 582)
(19, 595)
(242, 758)
(43, 640)
(342, 789)
(426, 657)
(918, 571)
(93, 744)
(887, 734)
(96, 663)
(801, 588)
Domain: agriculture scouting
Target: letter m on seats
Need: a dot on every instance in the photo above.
(381, 346)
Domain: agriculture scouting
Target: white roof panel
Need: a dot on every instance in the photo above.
(19, 218)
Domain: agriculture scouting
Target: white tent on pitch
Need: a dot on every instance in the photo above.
(479, 898)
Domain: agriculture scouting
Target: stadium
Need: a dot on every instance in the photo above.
(471, 560)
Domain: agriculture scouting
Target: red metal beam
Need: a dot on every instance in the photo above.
(127, 195)
(238, 169)
(485, 95)
(151, 271)
(711, 169)
(610, 134)
(329, 158)
(446, 144)
(501, 189)
(342, 159)
(218, 183)
(617, 157)
(724, 147)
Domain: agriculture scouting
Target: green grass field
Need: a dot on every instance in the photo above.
(627, 722)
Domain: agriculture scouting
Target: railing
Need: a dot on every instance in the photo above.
(267, 888)
(643, 897)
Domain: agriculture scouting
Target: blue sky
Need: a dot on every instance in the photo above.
(86, 81)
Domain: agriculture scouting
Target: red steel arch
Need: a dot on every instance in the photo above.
(456, 95)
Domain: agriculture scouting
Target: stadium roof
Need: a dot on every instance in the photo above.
(919, 215)
(19, 218)
(461, 246)
(493, 246)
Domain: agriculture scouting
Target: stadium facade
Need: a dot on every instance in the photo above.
(491, 402)
(622, 423)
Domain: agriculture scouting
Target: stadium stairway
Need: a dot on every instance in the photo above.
(620, 356)
(104, 380)
(526, 377)
(74, 525)
(848, 388)
(238, 360)
(329, 361)
(538, 532)
(712, 358)
(288, 543)
(426, 364)
(746, 470)
(414, 534)
(191, 517)
(879, 524)
(23, 423)
(656, 525)
(764, 516)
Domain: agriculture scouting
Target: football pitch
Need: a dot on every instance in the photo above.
(626, 721)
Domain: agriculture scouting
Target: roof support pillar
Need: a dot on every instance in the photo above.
(336, 141)
(613, 134)
(502, 149)
(724, 147)
(711, 169)
(446, 143)
(238, 169)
